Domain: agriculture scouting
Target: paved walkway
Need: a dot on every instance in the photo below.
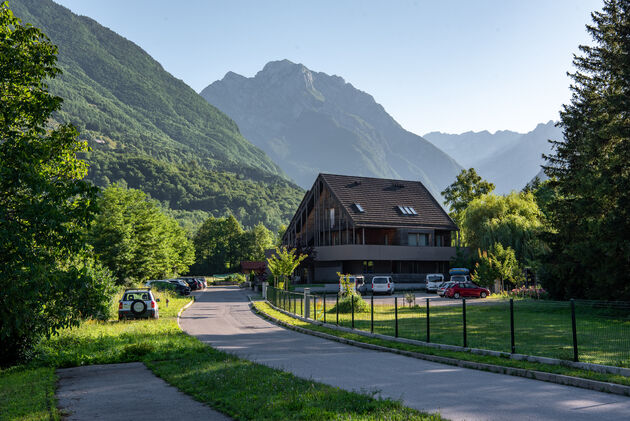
(221, 317)
(125, 392)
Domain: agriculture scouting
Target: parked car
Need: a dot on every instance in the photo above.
(358, 283)
(192, 283)
(383, 284)
(433, 280)
(443, 287)
(180, 286)
(203, 282)
(138, 303)
(466, 289)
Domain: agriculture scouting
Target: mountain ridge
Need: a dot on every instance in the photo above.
(292, 112)
(506, 158)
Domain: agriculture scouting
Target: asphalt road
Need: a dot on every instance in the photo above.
(221, 317)
(125, 392)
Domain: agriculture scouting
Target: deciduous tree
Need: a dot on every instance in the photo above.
(48, 279)
(283, 263)
(467, 186)
(135, 240)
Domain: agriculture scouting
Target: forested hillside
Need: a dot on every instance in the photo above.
(152, 130)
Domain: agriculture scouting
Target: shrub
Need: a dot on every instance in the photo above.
(345, 304)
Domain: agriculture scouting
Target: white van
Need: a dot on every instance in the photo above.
(434, 280)
(383, 284)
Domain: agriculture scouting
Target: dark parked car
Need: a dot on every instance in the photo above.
(192, 283)
(466, 289)
(172, 284)
(180, 286)
(203, 282)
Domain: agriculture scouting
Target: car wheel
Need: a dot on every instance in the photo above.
(138, 307)
(483, 294)
(456, 295)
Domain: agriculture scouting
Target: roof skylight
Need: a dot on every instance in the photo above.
(407, 210)
(359, 208)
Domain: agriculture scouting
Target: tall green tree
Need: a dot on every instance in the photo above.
(218, 246)
(590, 168)
(48, 279)
(135, 240)
(256, 241)
(467, 186)
(513, 221)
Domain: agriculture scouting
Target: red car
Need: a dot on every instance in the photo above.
(466, 289)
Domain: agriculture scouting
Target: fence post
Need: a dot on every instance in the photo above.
(265, 285)
(396, 315)
(512, 325)
(352, 302)
(428, 323)
(372, 313)
(307, 303)
(574, 326)
(337, 307)
(464, 322)
(314, 307)
(294, 305)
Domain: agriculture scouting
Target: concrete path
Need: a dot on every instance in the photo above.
(221, 317)
(124, 392)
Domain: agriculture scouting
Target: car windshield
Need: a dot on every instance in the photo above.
(130, 296)
(379, 280)
(459, 278)
(434, 278)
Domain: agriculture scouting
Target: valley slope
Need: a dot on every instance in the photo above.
(152, 131)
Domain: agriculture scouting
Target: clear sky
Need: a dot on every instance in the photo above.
(449, 66)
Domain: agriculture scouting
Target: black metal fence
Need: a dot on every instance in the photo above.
(576, 330)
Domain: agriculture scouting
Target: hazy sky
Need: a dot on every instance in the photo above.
(450, 66)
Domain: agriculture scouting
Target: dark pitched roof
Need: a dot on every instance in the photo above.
(381, 197)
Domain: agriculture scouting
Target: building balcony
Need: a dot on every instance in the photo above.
(383, 252)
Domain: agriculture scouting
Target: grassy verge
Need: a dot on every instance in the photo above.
(541, 328)
(505, 362)
(238, 388)
(28, 394)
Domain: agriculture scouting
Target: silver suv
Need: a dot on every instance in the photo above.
(137, 304)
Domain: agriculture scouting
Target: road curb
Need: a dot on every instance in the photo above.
(179, 313)
(599, 386)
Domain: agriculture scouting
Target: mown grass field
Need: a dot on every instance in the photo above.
(541, 328)
(236, 387)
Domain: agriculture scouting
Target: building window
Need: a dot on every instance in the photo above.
(416, 239)
(439, 241)
(332, 217)
(368, 266)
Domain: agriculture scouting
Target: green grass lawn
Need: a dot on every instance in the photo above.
(541, 328)
(265, 308)
(236, 387)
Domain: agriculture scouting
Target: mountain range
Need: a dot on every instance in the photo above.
(310, 122)
(508, 159)
(151, 130)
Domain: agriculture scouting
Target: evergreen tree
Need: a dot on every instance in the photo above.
(590, 168)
